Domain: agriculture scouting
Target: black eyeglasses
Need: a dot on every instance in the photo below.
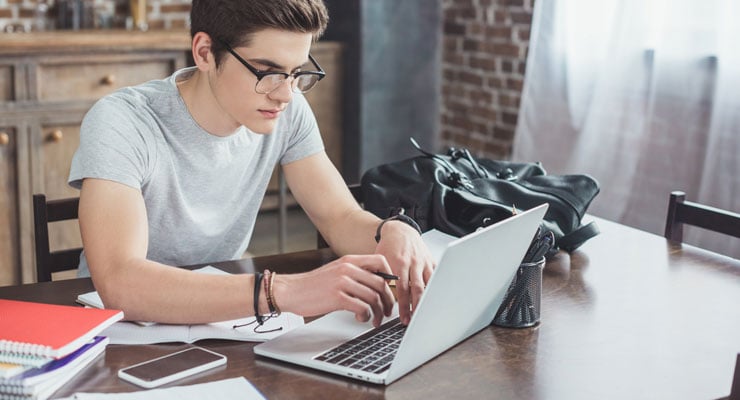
(267, 82)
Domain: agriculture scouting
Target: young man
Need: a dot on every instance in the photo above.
(172, 172)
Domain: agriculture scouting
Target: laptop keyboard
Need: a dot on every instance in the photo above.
(372, 351)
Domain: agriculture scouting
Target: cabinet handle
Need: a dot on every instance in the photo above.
(4, 139)
(108, 80)
(56, 136)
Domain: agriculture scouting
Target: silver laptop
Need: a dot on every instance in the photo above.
(461, 298)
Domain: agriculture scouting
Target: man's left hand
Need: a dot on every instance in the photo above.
(410, 259)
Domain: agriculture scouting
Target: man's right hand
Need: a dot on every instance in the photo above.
(348, 283)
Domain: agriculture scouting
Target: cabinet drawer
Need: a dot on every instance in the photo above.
(92, 80)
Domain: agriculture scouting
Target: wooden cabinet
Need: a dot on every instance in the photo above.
(48, 81)
(47, 84)
(9, 233)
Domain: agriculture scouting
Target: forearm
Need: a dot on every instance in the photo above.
(353, 233)
(149, 291)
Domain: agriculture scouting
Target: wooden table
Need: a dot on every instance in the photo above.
(627, 316)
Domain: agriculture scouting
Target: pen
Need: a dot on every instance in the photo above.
(386, 276)
(546, 244)
(533, 245)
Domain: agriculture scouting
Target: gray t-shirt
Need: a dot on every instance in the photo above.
(202, 192)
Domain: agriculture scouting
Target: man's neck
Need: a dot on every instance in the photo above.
(203, 106)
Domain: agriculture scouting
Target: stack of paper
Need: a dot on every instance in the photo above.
(42, 346)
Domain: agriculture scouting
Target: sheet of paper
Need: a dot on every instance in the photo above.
(132, 333)
(227, 389)
(437, 242)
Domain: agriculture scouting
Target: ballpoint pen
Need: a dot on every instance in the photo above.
(533, 245)
(386, 276)
(546, 243)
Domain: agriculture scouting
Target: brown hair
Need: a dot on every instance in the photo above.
(234, 21)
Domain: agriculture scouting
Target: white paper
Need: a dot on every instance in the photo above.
(234, 388)
(437, 242)
(132, 333)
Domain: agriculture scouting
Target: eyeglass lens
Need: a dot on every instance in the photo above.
(299, 84)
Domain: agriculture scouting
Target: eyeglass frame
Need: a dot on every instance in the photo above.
(261, 74)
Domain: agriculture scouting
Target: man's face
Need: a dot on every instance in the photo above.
(234, 85)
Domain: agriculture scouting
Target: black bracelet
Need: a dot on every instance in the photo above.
(257, 287)
(400, 216)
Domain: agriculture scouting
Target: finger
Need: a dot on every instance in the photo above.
(380, 286)
(416, 286)
(357, 307)
(369, 296)
(378, 262)
(402, 290)
(428, 270)
(370, 264)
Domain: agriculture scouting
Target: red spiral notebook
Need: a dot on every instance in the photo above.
(49, 330)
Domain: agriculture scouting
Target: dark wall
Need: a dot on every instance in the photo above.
(392, 78)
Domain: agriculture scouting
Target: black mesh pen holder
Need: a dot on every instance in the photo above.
(521, 305)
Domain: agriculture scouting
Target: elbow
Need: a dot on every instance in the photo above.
(112, 295)
(112, 289)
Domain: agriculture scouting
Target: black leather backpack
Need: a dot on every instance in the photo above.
(457, 193)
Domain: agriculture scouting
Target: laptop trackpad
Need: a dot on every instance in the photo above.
(317, 336)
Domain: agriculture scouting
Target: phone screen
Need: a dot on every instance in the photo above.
(172, 364)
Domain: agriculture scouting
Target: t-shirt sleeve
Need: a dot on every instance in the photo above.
(113, 145)
(304, 138)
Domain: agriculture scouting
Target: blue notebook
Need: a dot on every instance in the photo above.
(43, 381)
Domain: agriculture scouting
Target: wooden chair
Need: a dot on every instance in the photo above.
(356, 191)
(682, 212)
(735, 390)
(44, 212)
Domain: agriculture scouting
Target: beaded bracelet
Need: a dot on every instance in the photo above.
(268, 273)
(271, 303)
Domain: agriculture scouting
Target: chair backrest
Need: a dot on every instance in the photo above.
(45, 212)
(682, 212)
(356, 191)
(735, 390)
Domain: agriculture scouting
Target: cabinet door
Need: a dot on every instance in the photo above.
(7, 88)
(57, 144)
(9, 224)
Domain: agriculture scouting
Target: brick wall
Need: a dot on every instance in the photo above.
(485, 47)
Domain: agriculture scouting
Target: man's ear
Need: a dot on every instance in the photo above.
(202, 55)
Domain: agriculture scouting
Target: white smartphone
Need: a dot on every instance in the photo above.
(171, 367)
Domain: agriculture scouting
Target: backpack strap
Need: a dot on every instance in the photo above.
(576, 238)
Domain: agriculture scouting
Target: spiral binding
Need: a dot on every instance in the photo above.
(24, 359)
(7, 346)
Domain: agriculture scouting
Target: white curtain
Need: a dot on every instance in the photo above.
(645, 96)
